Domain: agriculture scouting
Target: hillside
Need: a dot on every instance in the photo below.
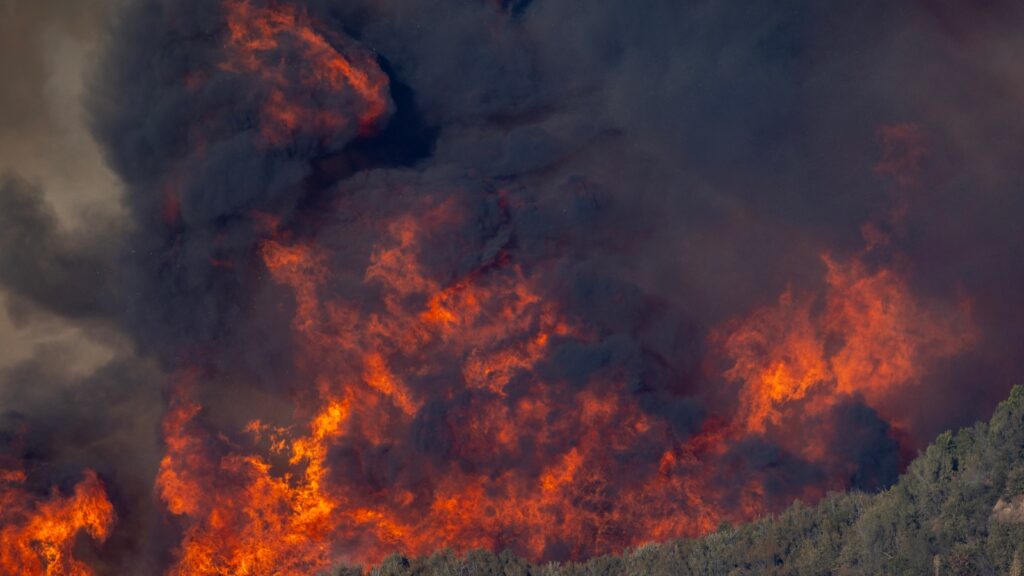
(958, 509)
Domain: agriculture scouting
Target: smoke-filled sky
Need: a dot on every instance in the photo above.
(47, 48)
(410, 274)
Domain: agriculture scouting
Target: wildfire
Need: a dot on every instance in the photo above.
(242, 513)
(426, 415)
(309, 79)
(432, 405)
(870, 338)
(37, 535)
(243, 520)
(305, 499)
(462, 333)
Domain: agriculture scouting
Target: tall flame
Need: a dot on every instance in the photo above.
(522, 457)
(244, 509)
(497, 325)
(447, 366)
(37, 536)
(870, 338)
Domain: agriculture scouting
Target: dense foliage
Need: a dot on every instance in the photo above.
(957, 510)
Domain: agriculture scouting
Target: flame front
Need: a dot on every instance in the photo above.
(444, 388)
(37, 535)
(500, 328)
(597, 490)
(881, 337)
(868, 338)
(429, 409)
(414, 276)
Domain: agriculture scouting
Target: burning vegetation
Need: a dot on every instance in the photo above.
(395, 317)
(428, 414)
(37, 534)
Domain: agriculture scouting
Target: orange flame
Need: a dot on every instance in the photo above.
(530, 462)
(37, 536)
(275, 43)
(241, 511)
(871, 338)
(868, 336)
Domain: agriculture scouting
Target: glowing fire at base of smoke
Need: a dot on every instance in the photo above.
(521, 454)
(606, 474)
(37, 535)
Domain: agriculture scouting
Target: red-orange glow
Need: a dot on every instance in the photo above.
(889, 338)
(242, 512)
(284, 48)
(37, 535)
(520, 455)
(171, 209)
(247, 521)
(903, 151)
(866, 336)
(380, 378)
(869, 337)
(778, 356)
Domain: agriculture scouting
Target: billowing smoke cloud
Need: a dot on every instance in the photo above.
(68, 274)
(403, 275)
